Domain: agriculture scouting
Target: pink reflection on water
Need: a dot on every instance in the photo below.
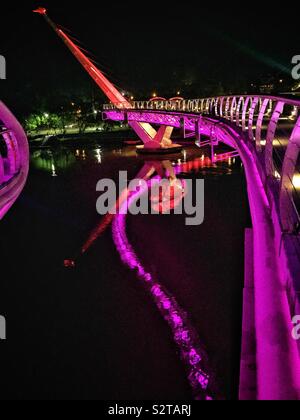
(186, 338)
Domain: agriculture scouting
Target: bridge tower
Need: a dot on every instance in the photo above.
(153, 140)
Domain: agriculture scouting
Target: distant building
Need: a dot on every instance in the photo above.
(266, 89)
(293, 91)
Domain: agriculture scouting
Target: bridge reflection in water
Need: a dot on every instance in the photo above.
(273, 244)
(192, 350)
(117, 312)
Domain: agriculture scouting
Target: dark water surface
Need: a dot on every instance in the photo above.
(93, 332)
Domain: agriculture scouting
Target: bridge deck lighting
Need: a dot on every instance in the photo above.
(277, 175)
(296, 181)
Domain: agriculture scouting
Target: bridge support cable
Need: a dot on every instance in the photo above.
(149, 136)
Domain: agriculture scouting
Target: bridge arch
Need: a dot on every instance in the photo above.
(14, 159)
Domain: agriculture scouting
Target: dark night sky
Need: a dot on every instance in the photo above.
(145, 48)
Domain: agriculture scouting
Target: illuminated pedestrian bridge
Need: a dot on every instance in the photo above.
(264, 131)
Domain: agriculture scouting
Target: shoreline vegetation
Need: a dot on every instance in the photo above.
(51, 138)
(89, 137)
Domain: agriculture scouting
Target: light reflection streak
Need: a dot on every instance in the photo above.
(192, 353)
(54, 174)
(149, 168)
(98, 153)
(184, 335)
(163, 169)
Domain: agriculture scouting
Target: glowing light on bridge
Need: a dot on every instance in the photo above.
(296, 181)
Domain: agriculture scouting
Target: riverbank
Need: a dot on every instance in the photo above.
(86, 139)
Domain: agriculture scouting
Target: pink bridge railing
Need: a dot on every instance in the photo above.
(14, 159)
(272, 124)
(265, 131)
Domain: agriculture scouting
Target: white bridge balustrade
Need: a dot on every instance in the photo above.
(14, 159)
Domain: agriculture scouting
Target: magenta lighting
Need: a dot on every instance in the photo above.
(248, 124)
(14, 160)
(185, 337)
(251, 126)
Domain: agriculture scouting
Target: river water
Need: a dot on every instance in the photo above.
(94, 332)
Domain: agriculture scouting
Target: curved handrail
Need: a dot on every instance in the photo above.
(186, 104)
(273, 211)
(14, 159)
(255, 115)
